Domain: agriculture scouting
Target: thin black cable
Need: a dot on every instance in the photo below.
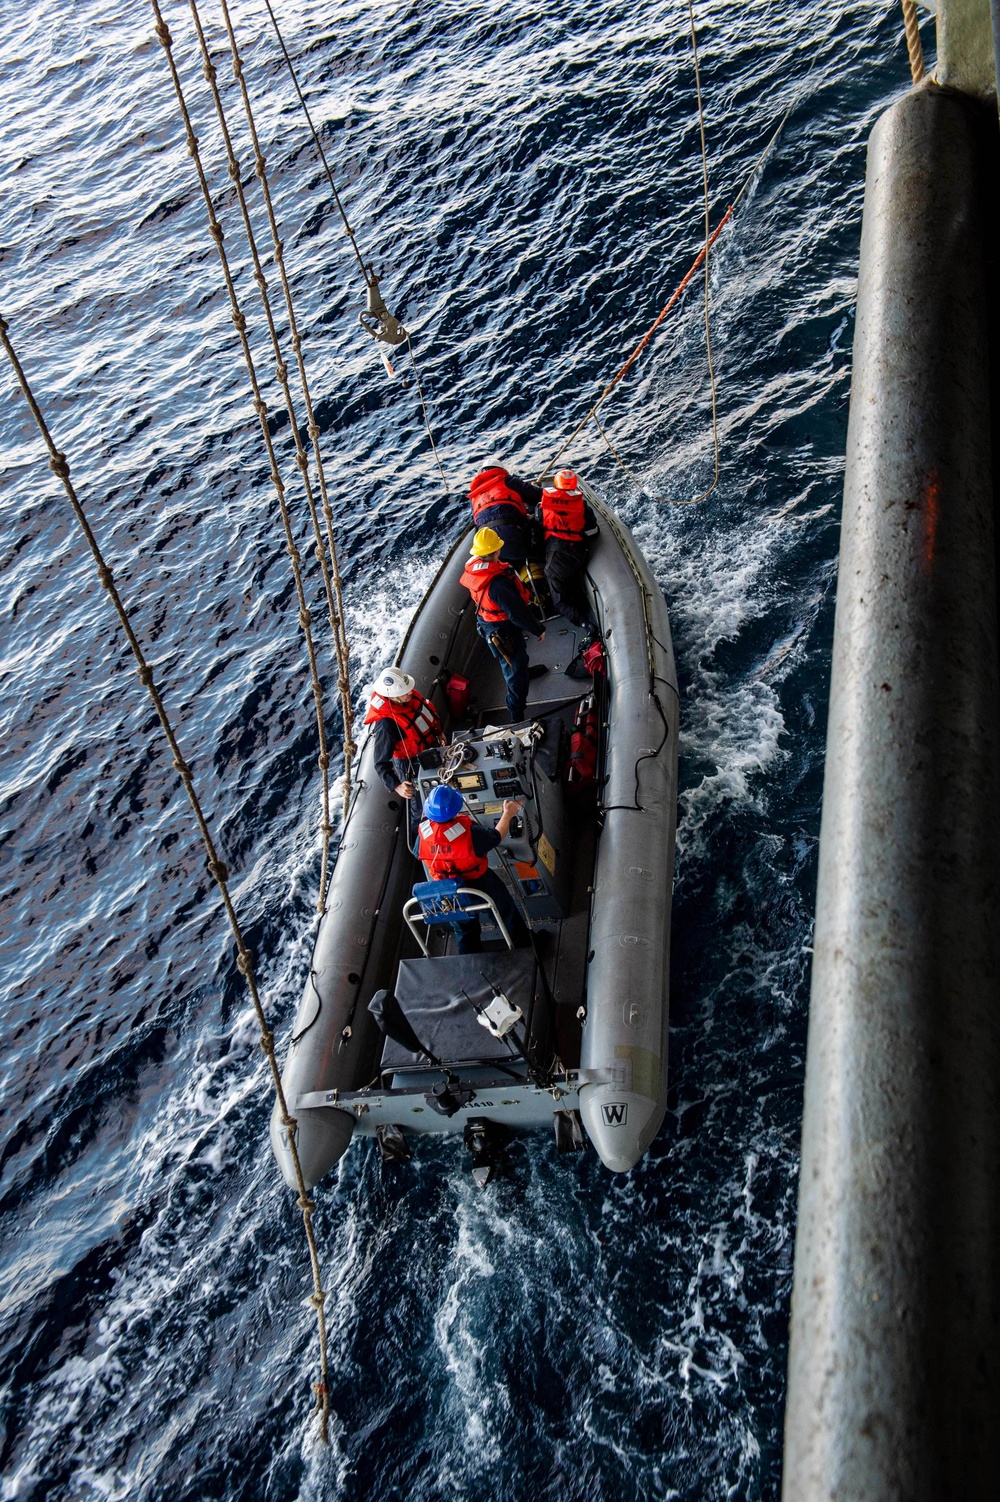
(313, 1020)
(637, 807)
(365, 270)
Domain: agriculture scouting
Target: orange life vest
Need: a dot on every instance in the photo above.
(490, 488)
(418, 722)
(447, 849)
(478, 576)
(563, 515)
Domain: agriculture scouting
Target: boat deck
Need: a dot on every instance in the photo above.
(560, 944)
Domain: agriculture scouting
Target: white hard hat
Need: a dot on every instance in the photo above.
(393, 683)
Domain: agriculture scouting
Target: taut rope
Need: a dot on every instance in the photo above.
(913, 44)
(332, 580)
(658, 320)
(708, 244)
(217, 867)
(647, 336)
(371, 281)
(260, 407)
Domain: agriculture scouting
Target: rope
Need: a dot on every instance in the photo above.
(708, 242)
(332, 579)
(260, 407)
(423, 408)
(913, 45)
(615, 379)
(658, 320)
(217, 868)
(616, 455)
(365, 267)
(318, 144)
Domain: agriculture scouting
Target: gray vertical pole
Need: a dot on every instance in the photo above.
(894, 1364)
(965, 47)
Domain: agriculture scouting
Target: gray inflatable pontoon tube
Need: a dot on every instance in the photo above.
(628, 984)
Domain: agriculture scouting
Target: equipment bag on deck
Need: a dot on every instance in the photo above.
(581, 770)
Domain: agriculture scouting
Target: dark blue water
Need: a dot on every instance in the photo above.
(529, 179)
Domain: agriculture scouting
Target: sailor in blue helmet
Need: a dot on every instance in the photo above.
(452, 847)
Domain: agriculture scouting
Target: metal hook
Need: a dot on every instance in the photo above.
(377, 319)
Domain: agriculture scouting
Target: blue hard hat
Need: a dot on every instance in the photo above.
(443, 804)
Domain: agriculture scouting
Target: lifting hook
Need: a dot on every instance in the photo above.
(376, 318)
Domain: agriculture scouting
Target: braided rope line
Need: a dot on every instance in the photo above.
(913, 44)
(348, 230)
(708, 245)
(702, 258)
(260, 407)
(332, 579)
(643, 342)
(616, 455)
(218, 869)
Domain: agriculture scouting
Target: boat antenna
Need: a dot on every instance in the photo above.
(383, 326)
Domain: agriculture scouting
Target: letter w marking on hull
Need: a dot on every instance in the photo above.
(615, 1113)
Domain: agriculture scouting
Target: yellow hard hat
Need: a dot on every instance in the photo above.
(486, 541)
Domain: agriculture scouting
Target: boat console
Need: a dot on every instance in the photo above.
(516, 761)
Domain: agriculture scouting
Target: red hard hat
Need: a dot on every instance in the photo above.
(564, 479)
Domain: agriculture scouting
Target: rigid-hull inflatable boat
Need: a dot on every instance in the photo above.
(576, 1036)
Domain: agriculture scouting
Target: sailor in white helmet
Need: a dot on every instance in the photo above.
(405, 723)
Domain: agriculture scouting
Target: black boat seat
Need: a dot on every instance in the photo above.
(441, 999)
(446, 902)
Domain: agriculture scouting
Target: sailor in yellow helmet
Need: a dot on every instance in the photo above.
(503, 607)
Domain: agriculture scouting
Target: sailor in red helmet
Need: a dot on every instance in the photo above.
(452, 847)
(503, 608)
(570, 527)
(504, 502)
(405, 723)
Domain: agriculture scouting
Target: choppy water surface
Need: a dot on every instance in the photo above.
(528, 178)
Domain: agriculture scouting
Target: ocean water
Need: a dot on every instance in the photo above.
(527, 178)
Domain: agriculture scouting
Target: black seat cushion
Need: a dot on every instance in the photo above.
(437, 995)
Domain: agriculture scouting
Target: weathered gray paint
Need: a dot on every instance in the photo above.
(894, 1367)
(965, 58)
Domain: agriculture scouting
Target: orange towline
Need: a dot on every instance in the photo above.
(699, 258)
